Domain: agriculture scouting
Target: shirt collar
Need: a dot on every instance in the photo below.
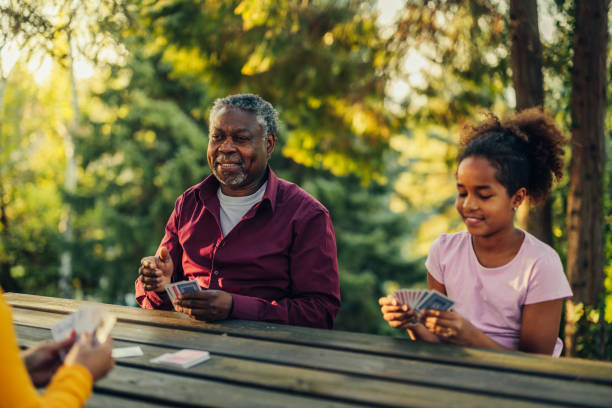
(207, 189)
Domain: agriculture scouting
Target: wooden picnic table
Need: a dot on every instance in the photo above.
(256, 364)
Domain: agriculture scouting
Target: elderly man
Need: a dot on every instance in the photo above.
(261, 247)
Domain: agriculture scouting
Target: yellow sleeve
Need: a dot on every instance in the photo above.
(70, 386)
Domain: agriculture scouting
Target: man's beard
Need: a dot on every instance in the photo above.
(229, 178)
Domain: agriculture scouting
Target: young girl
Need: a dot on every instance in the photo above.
(508, 285)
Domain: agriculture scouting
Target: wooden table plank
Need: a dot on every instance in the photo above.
(350, 389)
(428, 378)
(99, 400)
(577, 369)
(159, 386)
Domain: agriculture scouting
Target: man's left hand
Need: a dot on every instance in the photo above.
(207, 305)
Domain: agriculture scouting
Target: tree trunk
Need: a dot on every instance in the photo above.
(526, 55)
(70, 182)
(585, 257)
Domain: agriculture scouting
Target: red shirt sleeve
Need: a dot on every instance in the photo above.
(159, 300)
(315, 288)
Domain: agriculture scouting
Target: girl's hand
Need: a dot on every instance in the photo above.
(419, 332)
(450, 327)
(398, 316)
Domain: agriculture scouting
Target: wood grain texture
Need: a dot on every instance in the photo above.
(239, 331)
(338, 375)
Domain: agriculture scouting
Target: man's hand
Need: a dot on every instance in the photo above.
(156, 271)
(207, 305)
(450, 327)
(43, 360)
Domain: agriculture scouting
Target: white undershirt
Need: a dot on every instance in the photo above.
(234, 208)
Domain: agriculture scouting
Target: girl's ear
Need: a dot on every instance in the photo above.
(518, 197)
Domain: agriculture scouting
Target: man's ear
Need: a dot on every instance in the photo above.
(270, 143)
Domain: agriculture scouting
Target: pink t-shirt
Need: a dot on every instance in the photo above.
(492, 299)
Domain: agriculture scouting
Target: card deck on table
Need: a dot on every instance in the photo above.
(184, 358)
(177, 288)
(421, 299)
(94, 320)
(123, 352)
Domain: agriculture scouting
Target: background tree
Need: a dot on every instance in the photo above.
(370, 114)
(527, 77)
(150, 144)
(585, 258)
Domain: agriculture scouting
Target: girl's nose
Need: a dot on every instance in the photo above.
(470, 203)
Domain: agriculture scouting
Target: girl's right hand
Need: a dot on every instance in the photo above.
(97, 359)
(398, 316)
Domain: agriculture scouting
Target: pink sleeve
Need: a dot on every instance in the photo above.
(547, 280)
(433, 261)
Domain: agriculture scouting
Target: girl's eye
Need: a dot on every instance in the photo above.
(485, 197)
(216, 137)
(462, 194)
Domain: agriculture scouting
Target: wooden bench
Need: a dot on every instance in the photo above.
(256, 364)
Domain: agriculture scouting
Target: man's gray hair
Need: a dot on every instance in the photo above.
(265, 113)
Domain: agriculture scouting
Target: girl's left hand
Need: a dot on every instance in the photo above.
(450, 327)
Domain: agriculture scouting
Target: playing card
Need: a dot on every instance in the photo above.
(94, 320)
(184, 358)
(409, 297)
(434, 300)
(176, 288)
(122, 352)
(63, 328)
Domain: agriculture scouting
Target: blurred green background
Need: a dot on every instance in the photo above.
(104, 117)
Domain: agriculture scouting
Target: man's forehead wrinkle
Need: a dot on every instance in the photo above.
(234, 125)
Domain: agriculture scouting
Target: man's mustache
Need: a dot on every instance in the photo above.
(230, 159)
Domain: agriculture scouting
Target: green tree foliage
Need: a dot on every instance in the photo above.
(463, 50)
(31, 155)
(323, 62)
(150, 133)
(328, 69)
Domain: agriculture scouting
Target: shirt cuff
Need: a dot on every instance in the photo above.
(245, 307)
(157, 298)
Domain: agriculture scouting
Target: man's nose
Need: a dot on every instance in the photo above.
(227, 145)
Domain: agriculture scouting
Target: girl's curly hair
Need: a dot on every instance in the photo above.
(526, 149)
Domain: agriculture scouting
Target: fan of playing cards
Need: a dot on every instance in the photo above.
(422, 299)
(175, 289)
(94, 320)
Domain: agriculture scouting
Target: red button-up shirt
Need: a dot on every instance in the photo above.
(278, 263)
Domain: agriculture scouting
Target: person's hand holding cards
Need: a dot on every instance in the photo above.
(397, 314)
(207, 305)
(449, 326)
(408, 308)
(156, 271)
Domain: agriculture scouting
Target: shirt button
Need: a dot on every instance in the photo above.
(216, 272)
